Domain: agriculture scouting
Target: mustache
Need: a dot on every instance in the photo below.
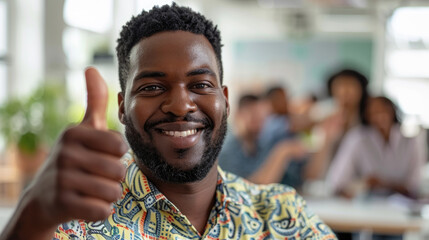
(171, 119)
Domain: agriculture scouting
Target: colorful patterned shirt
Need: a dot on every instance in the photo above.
(242, 211)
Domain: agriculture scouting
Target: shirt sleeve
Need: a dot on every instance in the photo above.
(232, 158)
(342, 171)
(75, 229)
(311, 226)
(417, 157)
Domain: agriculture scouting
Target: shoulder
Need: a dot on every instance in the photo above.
(359, 131)
(258, 197)
(231, 140)
(276, 207)
(356, 135)
(275, 123)
(75, 229)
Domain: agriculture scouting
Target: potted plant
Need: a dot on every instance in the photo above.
(31, 125)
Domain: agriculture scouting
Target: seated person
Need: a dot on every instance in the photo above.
(377, 156)
(281, 130)
(247, 154)
(335, 117)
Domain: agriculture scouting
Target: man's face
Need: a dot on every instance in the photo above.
(251, 118)
(174, 108)
(279, 102)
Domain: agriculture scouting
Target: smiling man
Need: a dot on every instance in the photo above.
(174, 108)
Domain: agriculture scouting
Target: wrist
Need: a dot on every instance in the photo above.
(28, 222)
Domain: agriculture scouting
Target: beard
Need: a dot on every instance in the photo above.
(152, 159)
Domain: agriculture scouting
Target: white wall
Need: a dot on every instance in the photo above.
(26, 26)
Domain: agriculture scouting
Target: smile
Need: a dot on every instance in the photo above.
(180, 133)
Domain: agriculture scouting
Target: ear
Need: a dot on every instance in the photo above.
(121, 109)
(225, 94)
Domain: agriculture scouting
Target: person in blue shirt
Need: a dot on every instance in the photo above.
(260, 147)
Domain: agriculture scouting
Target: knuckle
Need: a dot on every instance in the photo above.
(112, 193)
(64, 158)
(119, 142)
(107, 169)
(62, 199)
(100, 212)
(119, 193)
(111, 196)
(115, 193)
(69, 134)
(118, 171)
(121, 172)
(62, 181)
(108, 191)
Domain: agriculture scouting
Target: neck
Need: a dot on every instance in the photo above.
(194, 200)
(350, 116)
(385, 133)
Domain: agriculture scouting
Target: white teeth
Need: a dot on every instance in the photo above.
(180, 133)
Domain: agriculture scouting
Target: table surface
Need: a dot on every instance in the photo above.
(342, 215)
(376, 216)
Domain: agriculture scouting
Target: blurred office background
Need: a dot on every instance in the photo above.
(46, 44)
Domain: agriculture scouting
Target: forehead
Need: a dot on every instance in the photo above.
(379, 105)
(345, 81)
(173, 51)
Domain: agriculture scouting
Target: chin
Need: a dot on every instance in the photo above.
(178, 166)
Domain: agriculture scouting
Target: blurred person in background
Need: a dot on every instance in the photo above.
(348, 90)
(241, 144)
(250, 155)
(285, 125)
(375, 157)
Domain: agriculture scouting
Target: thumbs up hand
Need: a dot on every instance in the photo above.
(81, 178)
(95, 115)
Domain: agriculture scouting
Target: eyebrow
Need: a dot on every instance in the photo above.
(149, 74)
(200, 71)
(155, 74)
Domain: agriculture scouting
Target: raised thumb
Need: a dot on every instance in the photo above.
(95, 115)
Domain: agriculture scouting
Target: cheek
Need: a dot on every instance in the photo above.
(139, 112)
(339, 93)
(355, 95)
(213, 107)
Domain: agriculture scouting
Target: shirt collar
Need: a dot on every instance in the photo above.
(142, 190)
(394, 137)
(224, 194)
(146, 193)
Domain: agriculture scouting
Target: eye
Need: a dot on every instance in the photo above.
(150, 88)
(201, 86)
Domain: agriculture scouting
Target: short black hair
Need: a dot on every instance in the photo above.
(247, 99)
(162, 19)
(363, 82)
(273, 90)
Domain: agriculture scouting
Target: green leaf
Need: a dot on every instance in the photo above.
(28, 142)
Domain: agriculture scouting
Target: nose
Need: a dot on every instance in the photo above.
(179, 102)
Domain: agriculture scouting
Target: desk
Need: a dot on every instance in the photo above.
(376, 216)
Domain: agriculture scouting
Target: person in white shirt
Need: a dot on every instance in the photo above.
(376, 156)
